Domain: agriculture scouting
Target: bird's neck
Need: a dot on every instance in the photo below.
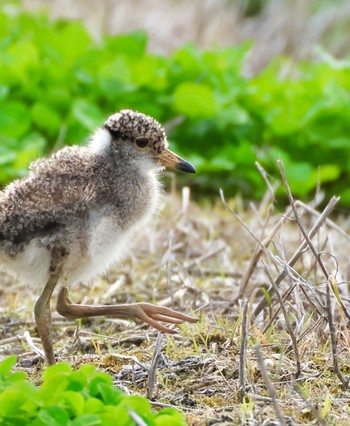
(100, 141)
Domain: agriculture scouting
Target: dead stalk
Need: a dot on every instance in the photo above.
(243, 352)
(153, 367)
(325, 272)
(321, 219)
(269, 386)
(286, 319)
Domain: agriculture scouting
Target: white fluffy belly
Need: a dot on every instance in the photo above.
(106, 247)
(30, 266)
(103, 244)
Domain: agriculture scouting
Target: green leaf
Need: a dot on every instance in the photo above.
(88, 420)
(15, 397)
(133, 45)
(53, 416)
(138, 404)
(195, 100)
(326, 406)
(73, 403)
(93, 406)
(109, 394)
(267, 295)
(169, 417)
(31, 148)
(87, 114)
(46, 118)
(14, 119)
(116, 412)
(114, 78)
(6, 365)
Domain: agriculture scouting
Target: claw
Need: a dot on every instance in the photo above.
(145, 312)
(151, 314)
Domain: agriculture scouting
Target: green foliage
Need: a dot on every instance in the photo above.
(57, 85)
(85, 397)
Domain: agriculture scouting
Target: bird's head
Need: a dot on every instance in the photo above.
(146, 136)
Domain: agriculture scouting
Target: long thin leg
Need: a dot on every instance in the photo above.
(42, 310)
(146, 312)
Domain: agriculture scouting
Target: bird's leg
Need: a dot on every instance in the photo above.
(42, 310)
(146, 312)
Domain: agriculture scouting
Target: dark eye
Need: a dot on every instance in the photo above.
(141, 142)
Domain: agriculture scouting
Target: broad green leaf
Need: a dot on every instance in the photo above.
(73, 402)
(133, 45)
(169, 417)
(53, 416)
(110, 414)
(6, 365)
(138, 404)
(93, 406)
(31, 148)
(109, 396)
(87, 114)
(14, 119)
(46, 118)
(195, 100)
(88, 420)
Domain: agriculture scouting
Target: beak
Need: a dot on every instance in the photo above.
(169, 159)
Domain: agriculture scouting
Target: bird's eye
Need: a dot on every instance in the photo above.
(141, 142)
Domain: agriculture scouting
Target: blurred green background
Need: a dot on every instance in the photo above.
(233, 81)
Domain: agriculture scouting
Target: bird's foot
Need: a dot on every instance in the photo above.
(152, 314)
(146, 312)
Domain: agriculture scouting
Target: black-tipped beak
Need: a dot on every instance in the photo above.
(169, 159)
(185, 166)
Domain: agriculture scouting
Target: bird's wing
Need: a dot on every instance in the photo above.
(51, 197)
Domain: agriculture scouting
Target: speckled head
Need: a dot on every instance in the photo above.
(147, 135)
(135, 127)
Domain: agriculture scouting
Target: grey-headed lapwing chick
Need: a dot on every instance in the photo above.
(75, 213)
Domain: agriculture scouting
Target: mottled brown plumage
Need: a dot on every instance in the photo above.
(74, 214)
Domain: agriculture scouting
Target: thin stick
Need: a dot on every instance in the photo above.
(325, 272)
(259, 249)
(243, 353)
(153, 367)
(269, 386)
(27, 337)
(300, 250)
(263, 173)
(329, 222)
(286, 319)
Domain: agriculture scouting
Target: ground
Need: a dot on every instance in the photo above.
(240, 363)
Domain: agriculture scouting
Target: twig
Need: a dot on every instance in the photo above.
(334, 340)
(286, 319)
(259, 249)
(136, 418)
(325, 272)
(153, 367)
(328, 222)
(301, 227)
(263, 173)
(27, 337)
(10, 340)
(205, 256)
(243, 353)
(269, 386)
(131, 358)
(300, 250)
(169, 266)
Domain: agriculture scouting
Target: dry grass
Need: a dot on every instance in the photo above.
(279, 352)
(289, 27)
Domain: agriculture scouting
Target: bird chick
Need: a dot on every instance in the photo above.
(75, 213)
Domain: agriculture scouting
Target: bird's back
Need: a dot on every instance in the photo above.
(74, 199)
